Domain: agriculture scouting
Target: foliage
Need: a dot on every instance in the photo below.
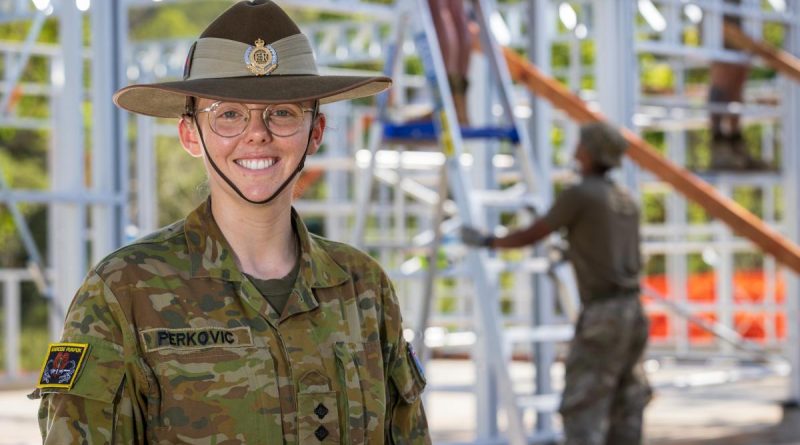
(180, 181)
(18, 31)
(654, 208)
(22, 162)
(656, 75)
(174, 20)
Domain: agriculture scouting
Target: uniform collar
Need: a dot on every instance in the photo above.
(212, 256)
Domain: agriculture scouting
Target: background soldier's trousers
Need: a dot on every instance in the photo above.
(606, 389)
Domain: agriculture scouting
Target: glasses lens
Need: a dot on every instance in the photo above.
(229, 119)
(284, 119)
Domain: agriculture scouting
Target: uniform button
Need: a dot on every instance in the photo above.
(321, 433)
(321, 411)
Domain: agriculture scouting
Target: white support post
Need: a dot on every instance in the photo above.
(541, 19)
(67, 220)
(712, 26)
(618, 80)
(11, 328)
(146, 180)
(121, 148)
(107, 172)
(337, 181)
(724, 270)
(102, 123)
(676, 263)
(790, 98)
(482, 176)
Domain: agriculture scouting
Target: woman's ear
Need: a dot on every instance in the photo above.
(188, 135)
(317, 133)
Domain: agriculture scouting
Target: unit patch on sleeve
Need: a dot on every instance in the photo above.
(62, 364)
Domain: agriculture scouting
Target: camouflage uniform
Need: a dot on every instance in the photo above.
(606, 389)
(183, 349)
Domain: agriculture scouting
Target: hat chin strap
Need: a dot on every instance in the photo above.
(297, 169)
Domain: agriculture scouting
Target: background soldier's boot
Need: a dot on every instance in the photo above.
(723, 156)
(459, 85)
(739, 148)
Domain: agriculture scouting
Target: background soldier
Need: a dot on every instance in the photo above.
(236, 325)
(606, 389)
(726, 86)
(455, 40)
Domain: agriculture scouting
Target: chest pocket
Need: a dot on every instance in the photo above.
(328, 416)
(213, 394)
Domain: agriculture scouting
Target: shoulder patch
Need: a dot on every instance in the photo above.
(62, 365)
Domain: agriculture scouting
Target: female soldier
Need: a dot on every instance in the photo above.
(236, 325)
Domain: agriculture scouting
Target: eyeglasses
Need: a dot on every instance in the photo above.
(230, 119)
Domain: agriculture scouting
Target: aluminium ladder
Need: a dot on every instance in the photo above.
(453, 179)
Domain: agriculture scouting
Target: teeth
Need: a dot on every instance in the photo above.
(256, 164)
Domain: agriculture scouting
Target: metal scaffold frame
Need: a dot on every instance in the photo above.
(88, 221)
(665, 21)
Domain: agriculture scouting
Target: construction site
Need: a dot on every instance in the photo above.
(400, 174)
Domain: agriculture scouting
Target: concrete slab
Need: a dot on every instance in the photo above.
(18, 419)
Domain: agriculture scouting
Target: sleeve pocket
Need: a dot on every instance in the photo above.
(90, 413)
(408, 423)
(100, 376)
(407, 375)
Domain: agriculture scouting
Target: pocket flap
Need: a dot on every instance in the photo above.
(407, 374)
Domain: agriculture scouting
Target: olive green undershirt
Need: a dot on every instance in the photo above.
(277, 290)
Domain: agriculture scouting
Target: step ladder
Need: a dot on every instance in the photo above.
(471, 207)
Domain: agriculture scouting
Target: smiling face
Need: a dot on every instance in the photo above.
(256, 161)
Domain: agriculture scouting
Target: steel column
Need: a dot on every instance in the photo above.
(790, 97)
(67, 221)
(541, 19)
(618, 80)
(11, 330)
(106, 222)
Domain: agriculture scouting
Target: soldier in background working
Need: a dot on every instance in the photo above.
(236, 325)
(606, 389)
(726, 87)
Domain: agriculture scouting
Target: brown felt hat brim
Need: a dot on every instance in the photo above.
(168, 99)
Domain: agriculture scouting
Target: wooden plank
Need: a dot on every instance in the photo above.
(735, 216)
(780, 60)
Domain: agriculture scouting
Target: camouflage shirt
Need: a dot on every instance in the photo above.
(181, 348)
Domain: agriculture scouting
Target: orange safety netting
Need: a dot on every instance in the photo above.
(753, 318)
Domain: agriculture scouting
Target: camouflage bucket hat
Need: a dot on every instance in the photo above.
(252, 53)
(604, 142)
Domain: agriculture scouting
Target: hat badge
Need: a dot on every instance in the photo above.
(261, 59)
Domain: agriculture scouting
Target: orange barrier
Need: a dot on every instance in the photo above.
(749, 288)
